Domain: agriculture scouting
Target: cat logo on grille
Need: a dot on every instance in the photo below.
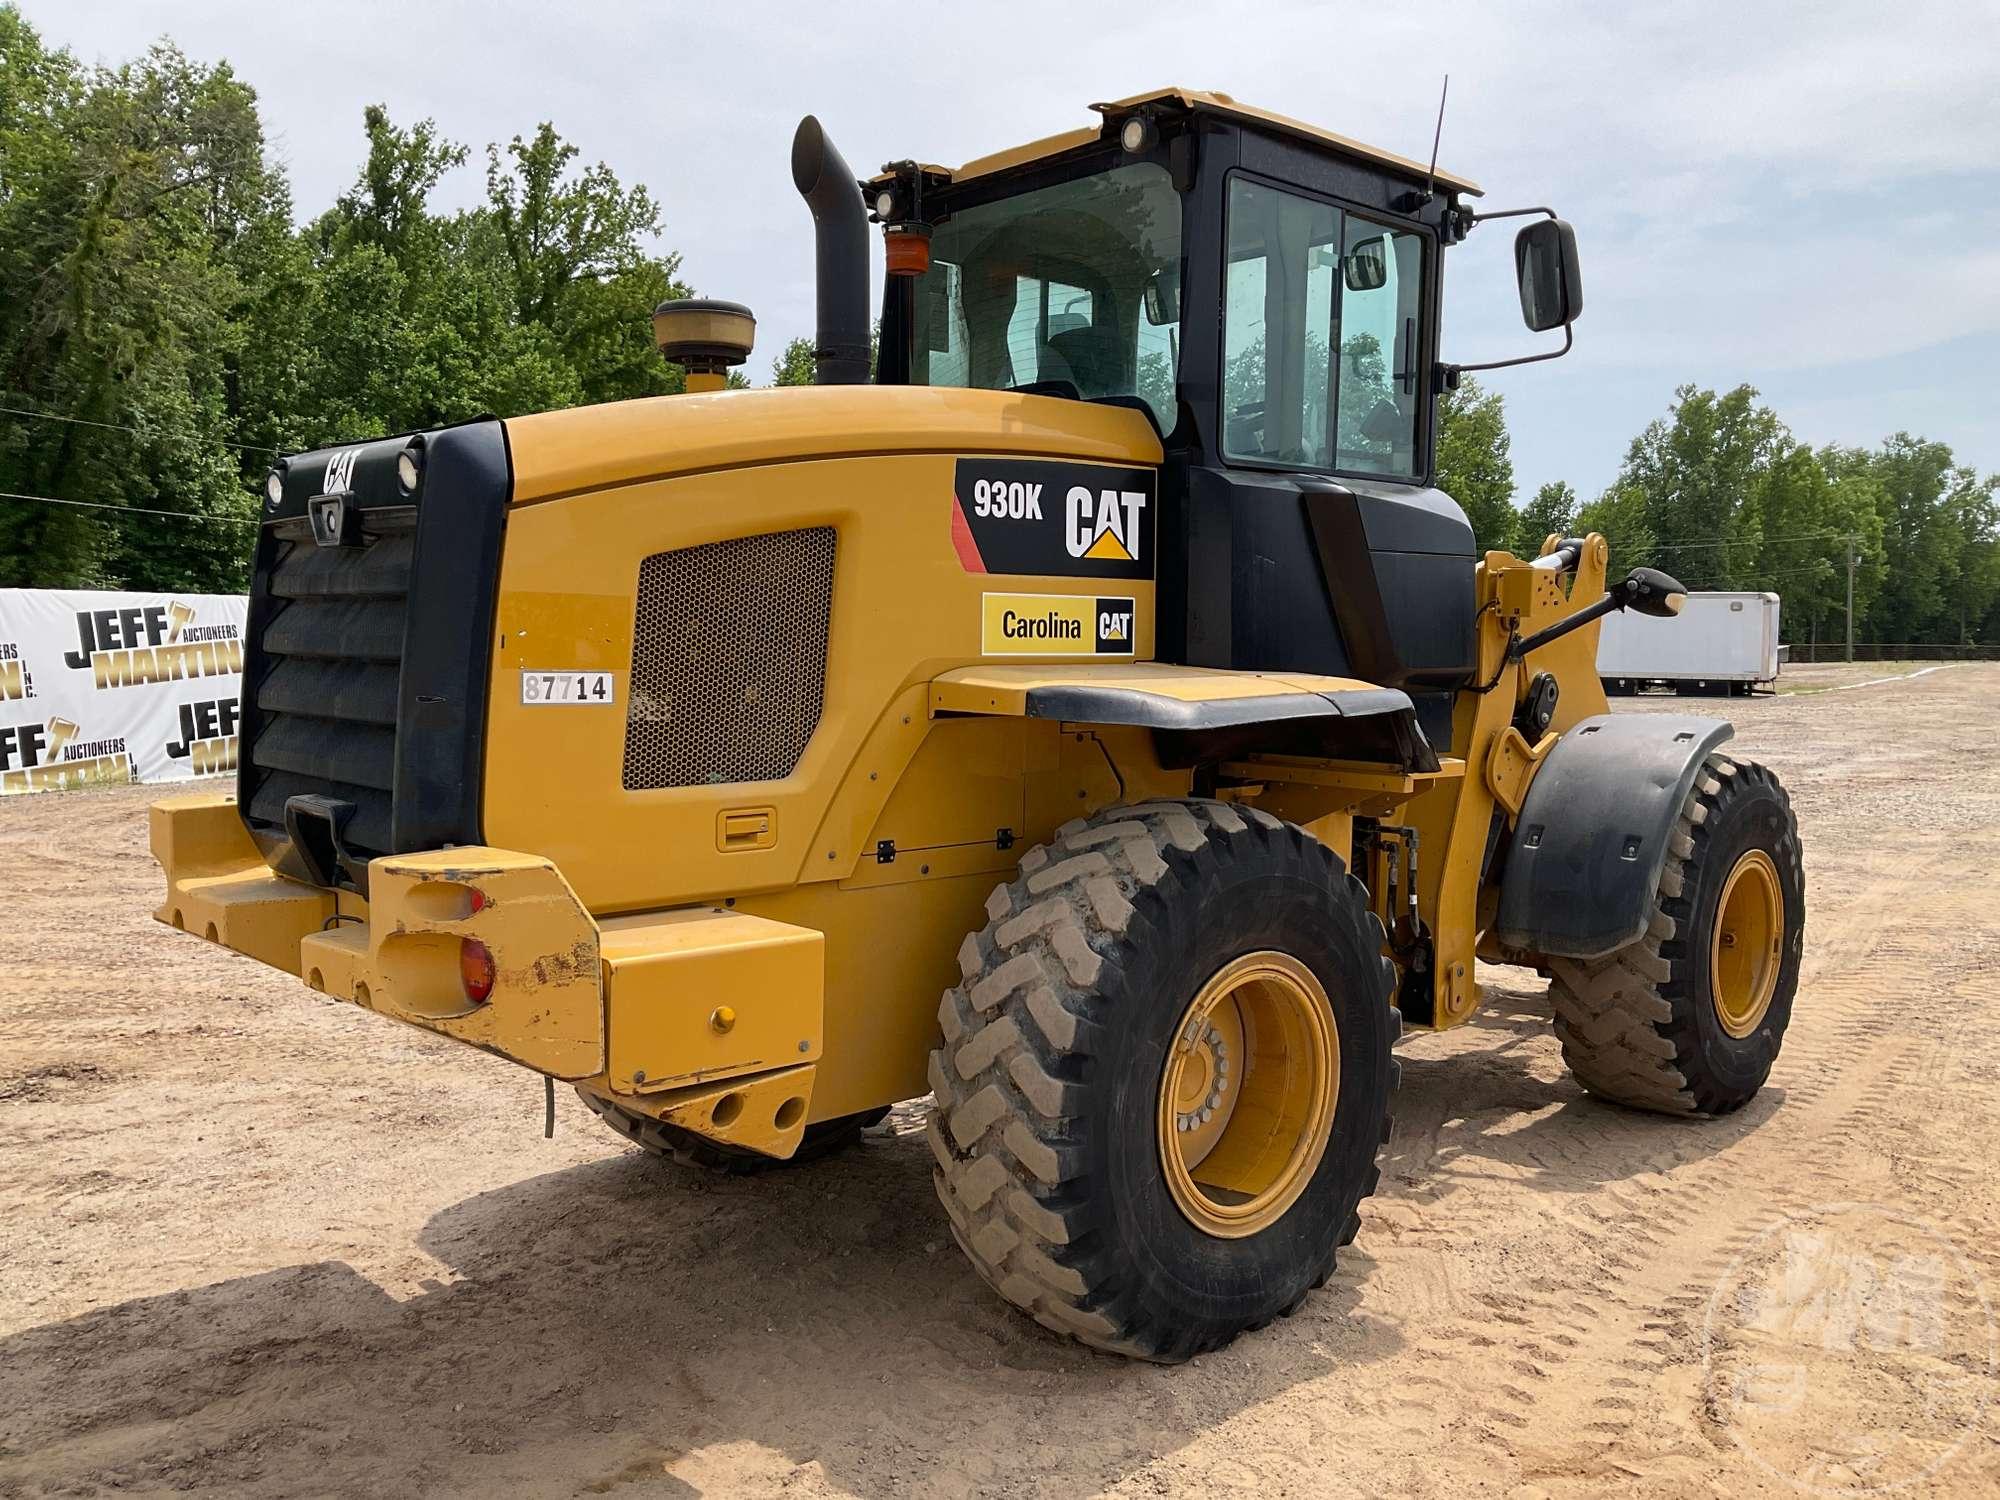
(340, 473)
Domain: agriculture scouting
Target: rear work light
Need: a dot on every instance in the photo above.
(475, 969)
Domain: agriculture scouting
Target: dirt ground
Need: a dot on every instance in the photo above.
(255, 1241)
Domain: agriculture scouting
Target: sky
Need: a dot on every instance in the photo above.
(1804, 197)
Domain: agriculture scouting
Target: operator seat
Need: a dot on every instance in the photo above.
(1094, 356)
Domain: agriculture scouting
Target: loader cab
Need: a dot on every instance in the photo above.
(1268, 294)
(1068, 266)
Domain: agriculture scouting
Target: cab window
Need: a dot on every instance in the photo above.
(1381, 298)
(1073, 287)
(1321, 339)
(1278, 325)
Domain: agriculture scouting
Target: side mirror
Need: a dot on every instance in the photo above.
(1648, 591)
(1365, 267)
(1551, 281)
(1162, 296)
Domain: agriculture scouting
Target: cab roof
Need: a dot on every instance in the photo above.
(1202, 101)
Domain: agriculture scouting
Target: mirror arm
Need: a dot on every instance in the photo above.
(1449, 373)
(1463, 218)
(1505, 213)
(1611, 602)
(1648, 590)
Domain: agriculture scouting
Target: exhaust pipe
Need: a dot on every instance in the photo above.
(840, 234)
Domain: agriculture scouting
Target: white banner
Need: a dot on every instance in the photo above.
(98, 687)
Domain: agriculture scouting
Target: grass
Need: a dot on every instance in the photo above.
(1866, 671)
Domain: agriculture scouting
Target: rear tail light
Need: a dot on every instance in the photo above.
(475, 969)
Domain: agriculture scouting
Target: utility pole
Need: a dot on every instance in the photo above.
(1850, 598)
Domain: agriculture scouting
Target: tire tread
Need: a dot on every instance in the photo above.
(1625, 1021)
(1020, 1032)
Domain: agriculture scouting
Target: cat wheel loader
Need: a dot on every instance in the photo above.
(1091, 717)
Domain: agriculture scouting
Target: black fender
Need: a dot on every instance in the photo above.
(1202, 714)
(1586, 853)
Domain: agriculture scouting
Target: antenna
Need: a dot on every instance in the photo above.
(1430, 177)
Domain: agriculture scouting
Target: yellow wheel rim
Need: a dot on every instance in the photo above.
(1743, 956)
(1248, 1093)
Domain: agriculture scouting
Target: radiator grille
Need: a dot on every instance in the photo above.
(729, 659)
(324, 676)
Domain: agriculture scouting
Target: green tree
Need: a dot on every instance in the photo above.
(1720, 494)
(573, 245)
(1156, 385)
(1938, 525)
(390, 205)
(1473, 462)
(1723, 497)
(134, 203)
(795, 365)
(1806, 515)
(400, 318)
(1697, 472)
(173, 329)
(1552, 511)
(1620, 514)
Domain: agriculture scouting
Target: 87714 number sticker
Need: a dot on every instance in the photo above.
(568, 687)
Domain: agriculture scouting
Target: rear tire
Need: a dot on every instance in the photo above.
(685, 1148)
(1690, 1018)
(1067, 1095)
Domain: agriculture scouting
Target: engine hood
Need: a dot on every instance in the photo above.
(588, 448)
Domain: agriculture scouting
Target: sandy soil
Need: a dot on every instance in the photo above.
(259, 1242)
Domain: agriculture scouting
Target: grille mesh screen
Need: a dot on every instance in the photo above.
(324, 676)
(729, 659)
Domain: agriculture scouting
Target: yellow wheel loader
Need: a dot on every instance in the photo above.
(1091, 717)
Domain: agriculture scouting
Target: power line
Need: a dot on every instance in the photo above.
(134, 510)
(1762, 541)
(49, 416)
(1826, 574)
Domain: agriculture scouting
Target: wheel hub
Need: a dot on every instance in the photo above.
(1209, 1069)
(1744, 956)
(1248, 1093)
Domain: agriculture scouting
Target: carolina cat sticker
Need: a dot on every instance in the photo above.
(1056, 625)
(1061, 520)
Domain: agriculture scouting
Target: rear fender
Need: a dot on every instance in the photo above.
(1202, 713)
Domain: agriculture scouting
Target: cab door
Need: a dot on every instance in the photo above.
(1341, 558)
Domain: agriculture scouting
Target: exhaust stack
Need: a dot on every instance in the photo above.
(840, 234)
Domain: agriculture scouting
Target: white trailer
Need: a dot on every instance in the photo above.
(1719, 643)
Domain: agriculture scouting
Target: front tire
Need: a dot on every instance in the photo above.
(1165, 1076)
(1689, 1019)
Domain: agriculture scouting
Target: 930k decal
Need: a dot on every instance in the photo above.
(1063, 520)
